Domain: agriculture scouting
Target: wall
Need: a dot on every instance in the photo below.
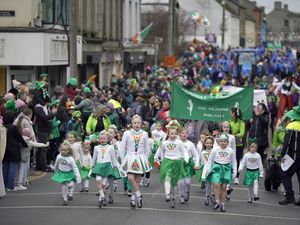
(131, 20)
(25, 11)
(250, 34)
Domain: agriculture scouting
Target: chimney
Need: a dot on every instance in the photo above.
(277, 5)
(286, 7)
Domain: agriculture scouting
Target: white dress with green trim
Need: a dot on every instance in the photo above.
(221, 165)
(66, 170)
(135, 150)
(254, 168)
(105, 162)
(193, 159)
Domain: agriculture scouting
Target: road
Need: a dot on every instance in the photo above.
(41, 204)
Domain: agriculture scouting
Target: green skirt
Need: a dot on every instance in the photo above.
(189, 168)
(103, 170)
(199, 174)
(63, 177)
(173, 169)
(220, 174)
(250, 176)
(84, 173)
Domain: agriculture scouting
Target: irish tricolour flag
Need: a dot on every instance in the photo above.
(139, 37)
(201, 20)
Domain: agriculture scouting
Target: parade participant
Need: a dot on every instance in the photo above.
(104, 163)
(172, 170)
(135, 151)
(291, 148)
(77, 153)
(254, 170)
(204, 155)
(86, 165)
(284, 90)
(237, 128)
(220, 164)
(201, 141)
(66, 171)
(189, 168)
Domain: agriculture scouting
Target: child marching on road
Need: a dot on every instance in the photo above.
(134, 152)
(205, 153)
(66, 171)
(254, 171)
(221, 162)
(171, 152)
(189, 168)
(86, 165)
(104, 166)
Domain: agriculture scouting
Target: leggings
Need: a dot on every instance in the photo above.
(239, 156)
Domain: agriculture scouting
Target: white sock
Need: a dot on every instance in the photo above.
(255, 188)
(168, 185)
(71, 188)
(188, 185)
(101, 194)
(138, 194)
(208, 189)
(250, 192)
(111, 186)
(181, 187)
(86, 183)
(173, 192)
(64, 191)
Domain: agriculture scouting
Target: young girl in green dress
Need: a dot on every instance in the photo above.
(66, 171)
(221, 163)
(254, 170)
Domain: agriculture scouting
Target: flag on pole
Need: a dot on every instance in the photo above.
(201, 20)
(139, 37)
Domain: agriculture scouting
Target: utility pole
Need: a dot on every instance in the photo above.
(73, 39)
(223, 23)
(170, 27)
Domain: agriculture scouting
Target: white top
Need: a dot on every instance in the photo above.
(232, 142)
(192, 151)
(199, 147)
(252, 161)
(223, 156)
(132, 138)
(288, 91)
(32, 143)
(116, 147)
(172, 150)
(77, 150)
(158, 135)
(86, 160)
(204, 156)
(66, 164)
(104, 154)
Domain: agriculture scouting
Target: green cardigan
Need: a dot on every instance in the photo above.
(238, 129)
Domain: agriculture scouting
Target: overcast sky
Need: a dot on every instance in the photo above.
(294, 5)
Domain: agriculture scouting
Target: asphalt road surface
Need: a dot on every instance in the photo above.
(41, 204)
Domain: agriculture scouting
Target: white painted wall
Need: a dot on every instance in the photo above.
(36, 49)
(250, 34)
(25, 11)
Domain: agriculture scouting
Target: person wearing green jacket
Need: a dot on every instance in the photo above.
(97, 121)
(113, 115)
(237, 128)
(278, 137)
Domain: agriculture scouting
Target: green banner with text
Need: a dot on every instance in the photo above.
(191, 105)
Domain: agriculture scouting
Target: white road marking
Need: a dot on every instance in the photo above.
(158, 210)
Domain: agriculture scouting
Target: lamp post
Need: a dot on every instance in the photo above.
(223, 2)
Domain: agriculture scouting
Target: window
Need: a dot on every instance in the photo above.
(1, 48)
(286, 23)
(56, 11)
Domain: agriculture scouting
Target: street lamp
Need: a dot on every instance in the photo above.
(223, 2)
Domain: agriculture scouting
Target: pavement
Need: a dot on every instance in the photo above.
(41, 204)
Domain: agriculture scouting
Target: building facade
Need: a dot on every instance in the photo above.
(283, 25)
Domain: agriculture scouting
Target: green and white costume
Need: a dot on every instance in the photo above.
(221, 164)
(134, 151)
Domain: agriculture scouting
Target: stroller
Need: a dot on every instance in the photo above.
(273, 175)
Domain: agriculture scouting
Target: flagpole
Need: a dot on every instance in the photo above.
(170, 28)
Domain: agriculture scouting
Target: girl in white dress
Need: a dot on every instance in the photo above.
(135, 152)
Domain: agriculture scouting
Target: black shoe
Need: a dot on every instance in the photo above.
(81, 190)
(104, 201)
(222, 208)
(187, 197)
(227, 197)
(70, 198)
(250, 200)
(256, 198)
(212, 199)
(100, 203)
(132, 203)
(297, 203)
(173, 203)
(216, 206)
(97, 194)
(86, 190)
(229, 191)
(181, 200)
(203, 186)
(65, 203)
(287, 201)
(168, 198)
(115, 188)
(140, 202)
(110, 200)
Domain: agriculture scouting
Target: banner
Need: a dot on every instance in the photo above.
(191, 105)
